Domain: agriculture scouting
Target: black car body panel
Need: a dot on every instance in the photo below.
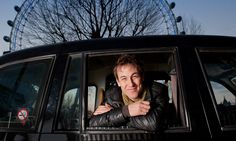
(49, 92)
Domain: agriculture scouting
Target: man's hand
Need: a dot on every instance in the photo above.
(102, 109)
(139, 108)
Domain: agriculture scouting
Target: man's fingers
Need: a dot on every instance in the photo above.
(144, 107)
(145, 102)
(102, 109)
(139, 108)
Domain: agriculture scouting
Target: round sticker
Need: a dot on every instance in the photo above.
(23, 115)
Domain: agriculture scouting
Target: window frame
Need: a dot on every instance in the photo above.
(170, 50)
(69, 59)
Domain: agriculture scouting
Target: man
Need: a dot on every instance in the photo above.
(132, 103)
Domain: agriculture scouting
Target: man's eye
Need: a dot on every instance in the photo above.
(123, 79)
(135, 76)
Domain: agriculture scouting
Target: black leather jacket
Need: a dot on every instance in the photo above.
(157, 94)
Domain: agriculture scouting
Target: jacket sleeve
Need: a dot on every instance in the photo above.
(115, 116)
(112, 118)
(154, 118)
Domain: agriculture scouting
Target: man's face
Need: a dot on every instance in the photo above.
(129, 80)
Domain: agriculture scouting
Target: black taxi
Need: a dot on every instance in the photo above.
(50, 92)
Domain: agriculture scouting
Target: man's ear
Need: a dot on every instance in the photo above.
(117, 81)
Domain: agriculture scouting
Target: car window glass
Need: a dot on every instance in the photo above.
(223, 95)
(69, 111)
(221, 72)
(21, 87)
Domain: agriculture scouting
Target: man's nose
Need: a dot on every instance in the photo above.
(130, 82)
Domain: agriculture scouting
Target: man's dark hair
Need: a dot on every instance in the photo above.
(128, 59)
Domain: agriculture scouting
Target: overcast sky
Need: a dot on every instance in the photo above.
(217, 17)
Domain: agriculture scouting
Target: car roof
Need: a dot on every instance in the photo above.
(123, 43)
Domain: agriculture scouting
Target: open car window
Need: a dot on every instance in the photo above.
(158, 66)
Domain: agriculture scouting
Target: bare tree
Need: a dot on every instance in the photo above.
(53, 21)
(191, 26)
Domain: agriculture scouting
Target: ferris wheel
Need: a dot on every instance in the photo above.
(21, 28)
